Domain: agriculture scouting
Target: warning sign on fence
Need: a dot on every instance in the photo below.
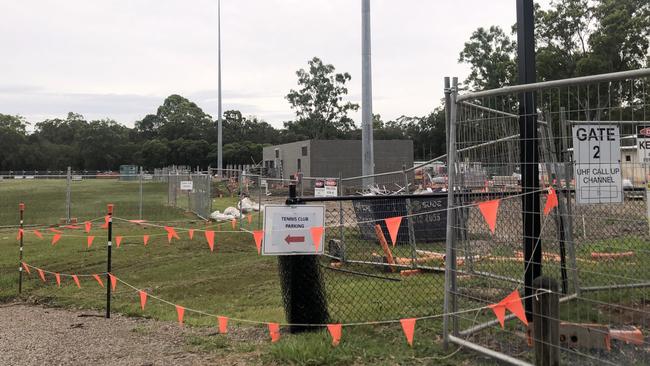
(597, 155)
(326, 188)
(643, 143)
(287, 229)
(187, 185)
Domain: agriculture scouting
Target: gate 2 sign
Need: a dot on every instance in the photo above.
(597, 155)
(287, 229)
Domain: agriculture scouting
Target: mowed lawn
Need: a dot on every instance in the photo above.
(232, 280)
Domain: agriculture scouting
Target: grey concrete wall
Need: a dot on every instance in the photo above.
(289, 155)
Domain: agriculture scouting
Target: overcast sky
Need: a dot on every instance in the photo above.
(119, 59)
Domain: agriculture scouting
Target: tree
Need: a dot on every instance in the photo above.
(320, 109)
(491, 54)
(180, 118)
(12, 135)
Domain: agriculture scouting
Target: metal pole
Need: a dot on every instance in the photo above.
(528, 151)
(259, 202)
(409, 212)
(341, 228)
(68, 198)
(140, 208)
(219, 121)
(108, 260)
(21, 207)
(367, 153)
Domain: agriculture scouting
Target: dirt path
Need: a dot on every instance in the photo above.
(36, 335)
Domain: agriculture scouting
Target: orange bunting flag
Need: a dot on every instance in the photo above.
(181, 313)
(233, 223)
(145, 239)
(513, 303)
(41, 274)
(88, 225)
(249, 217)
(500, 312)
(335, 332)
(56, 238)
(551, 201)
(209, 236)
(89, 240)
(26, 268)
(143, 299)
(489, 210)
(316, 235)
(38, 234)
(190, 232)
(393, 223)
(408, 325)
(118, 241)
(55, 231)
(99, 280)
(105, 225)
(171, 233)
(274, 331)
(113, 281)
(258, 235)
(223, 324)
(58, 279)
(21, 232)
(76, 280)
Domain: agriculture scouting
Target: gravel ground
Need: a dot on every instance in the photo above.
(36, 335)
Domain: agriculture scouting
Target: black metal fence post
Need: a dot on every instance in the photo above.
(21, 207)
(108, 261)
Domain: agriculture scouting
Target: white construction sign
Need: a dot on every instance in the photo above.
(597, 155)
(187, 185)
(326, 187)
(287, 229)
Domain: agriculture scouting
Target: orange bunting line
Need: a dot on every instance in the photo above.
(171, 233)
(38, 234)
(143, 299)
(190, 232)
(118, 241)
(551, 201)
(181, 313)
(209, 236)
(258, 235)
(145, 239)
(138, 221)
(316, 235)
(89, 240)
(99, 280)
(408, 326)
(53, 230)
(233, 222)
(274, 331)
(223, 324)
(26, 268)
(41, 274)
(56, 238)
(489, 210)
(393, 223)
(76, 280)
(21, 233)
(88, 225)
(335, 332)
(249, 217)
(72, 227)
(500, 312)
(106, 220)
(113, 281)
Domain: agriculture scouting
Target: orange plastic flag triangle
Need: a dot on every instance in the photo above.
(223, 324)
(38, 234)
(171, 233)
(393, 223)
(408, 325)
(145, 239)
(143, 299)
(513, 303)
(105, 225)
(233, 222)
(209, 236)
(489, 210)
(190, 232)
(118, 241)
(21, 232)
(58, 279)
(335, 332)
(316, 235)
(41, 274)
(88, 225)
(56, 238)
(551, 201)
(274, 331)
(249, 217)
(26, 268)
(258, 235)
(500, 312)
(89, 240)
(113, 281)
(76, 280)
(181, 313)
(99, 280)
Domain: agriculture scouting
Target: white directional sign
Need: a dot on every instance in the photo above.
(597, 155)
(187, 185)
(287, 229)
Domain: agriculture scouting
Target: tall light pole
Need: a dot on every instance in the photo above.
(219, 121)
(367, 153)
